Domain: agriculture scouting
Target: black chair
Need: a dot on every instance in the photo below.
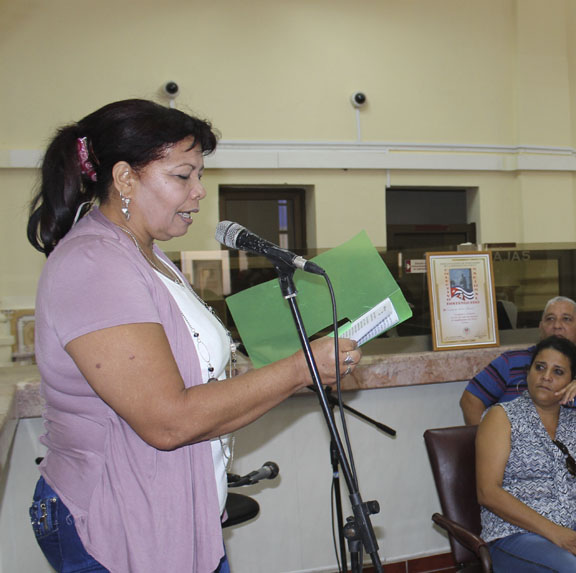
(240, 508)
(452, 457)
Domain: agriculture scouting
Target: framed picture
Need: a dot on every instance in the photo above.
(462, 301)
(22, 323)
(208, 272)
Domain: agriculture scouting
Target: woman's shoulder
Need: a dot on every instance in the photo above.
(498, 410)
(92, 226)
(93, 237)
(88, 257)
(84, 253)
(497, 413)
(494, 427)
(518, 405)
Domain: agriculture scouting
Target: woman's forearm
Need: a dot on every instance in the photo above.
(514, 511)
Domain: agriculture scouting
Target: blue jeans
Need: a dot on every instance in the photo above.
(224, 566)
(56, 534)
(528, 553)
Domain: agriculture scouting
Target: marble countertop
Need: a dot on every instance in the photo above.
(19, 398)
(20, 385)
(413, 368)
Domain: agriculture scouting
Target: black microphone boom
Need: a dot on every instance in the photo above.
(235, 236)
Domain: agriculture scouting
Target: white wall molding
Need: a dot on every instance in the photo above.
(362, 155)
(20, 158)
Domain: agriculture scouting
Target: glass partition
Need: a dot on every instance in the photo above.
(525, 276)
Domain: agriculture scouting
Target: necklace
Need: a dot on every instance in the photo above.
(226, 443)
(167, 271)
(202, 349)
(175, 278)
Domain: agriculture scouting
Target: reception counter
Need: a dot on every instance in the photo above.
(19, 398)
(20, 385)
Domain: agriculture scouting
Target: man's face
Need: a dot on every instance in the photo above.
(559, 320)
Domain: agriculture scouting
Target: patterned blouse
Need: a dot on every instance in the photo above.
(536, 471)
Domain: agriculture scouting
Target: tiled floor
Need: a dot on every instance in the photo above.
(431, 564)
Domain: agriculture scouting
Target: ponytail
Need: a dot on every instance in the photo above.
(63, 188)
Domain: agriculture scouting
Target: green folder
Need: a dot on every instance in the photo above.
(360, 280)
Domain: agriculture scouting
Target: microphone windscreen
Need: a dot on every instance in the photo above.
(227, 232)
(274, 469)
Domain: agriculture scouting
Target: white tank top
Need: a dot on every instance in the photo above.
(212, 346)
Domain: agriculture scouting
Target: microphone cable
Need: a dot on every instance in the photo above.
(338, 382)
(336, 534)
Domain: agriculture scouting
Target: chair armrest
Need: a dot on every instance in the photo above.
(464, 536)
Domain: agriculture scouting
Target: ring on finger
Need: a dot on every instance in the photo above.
(348, 370)
(348, 359)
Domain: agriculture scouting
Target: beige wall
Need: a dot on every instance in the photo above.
(20, 264)
(543, 97)
(463, 72)
(435, 71)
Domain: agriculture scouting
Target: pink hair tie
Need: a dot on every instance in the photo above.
(85, 164)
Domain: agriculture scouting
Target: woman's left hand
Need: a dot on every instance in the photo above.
(323, 350)
(564, 537)
(567, 394)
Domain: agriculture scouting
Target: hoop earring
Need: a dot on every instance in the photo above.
(125, 204)
(519, 389)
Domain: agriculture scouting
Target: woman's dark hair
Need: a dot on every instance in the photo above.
(136, 131)
(562, 345)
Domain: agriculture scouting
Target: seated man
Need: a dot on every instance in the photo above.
(505, 378)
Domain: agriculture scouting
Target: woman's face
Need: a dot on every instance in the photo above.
(549, 373)
(167, 192)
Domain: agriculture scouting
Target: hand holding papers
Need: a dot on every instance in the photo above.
(362, 283)
(376, 321)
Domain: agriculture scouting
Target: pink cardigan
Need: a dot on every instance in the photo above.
(137, 509)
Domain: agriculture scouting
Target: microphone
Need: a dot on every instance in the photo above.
(268, 471)
(235, 236)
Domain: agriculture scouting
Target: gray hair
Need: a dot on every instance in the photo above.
(559, 299)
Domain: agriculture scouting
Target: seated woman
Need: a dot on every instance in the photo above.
(526, 475)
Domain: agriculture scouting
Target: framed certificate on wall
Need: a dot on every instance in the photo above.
(462, 301)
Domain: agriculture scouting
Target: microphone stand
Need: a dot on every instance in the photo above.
(333, 401)
(358, 530)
